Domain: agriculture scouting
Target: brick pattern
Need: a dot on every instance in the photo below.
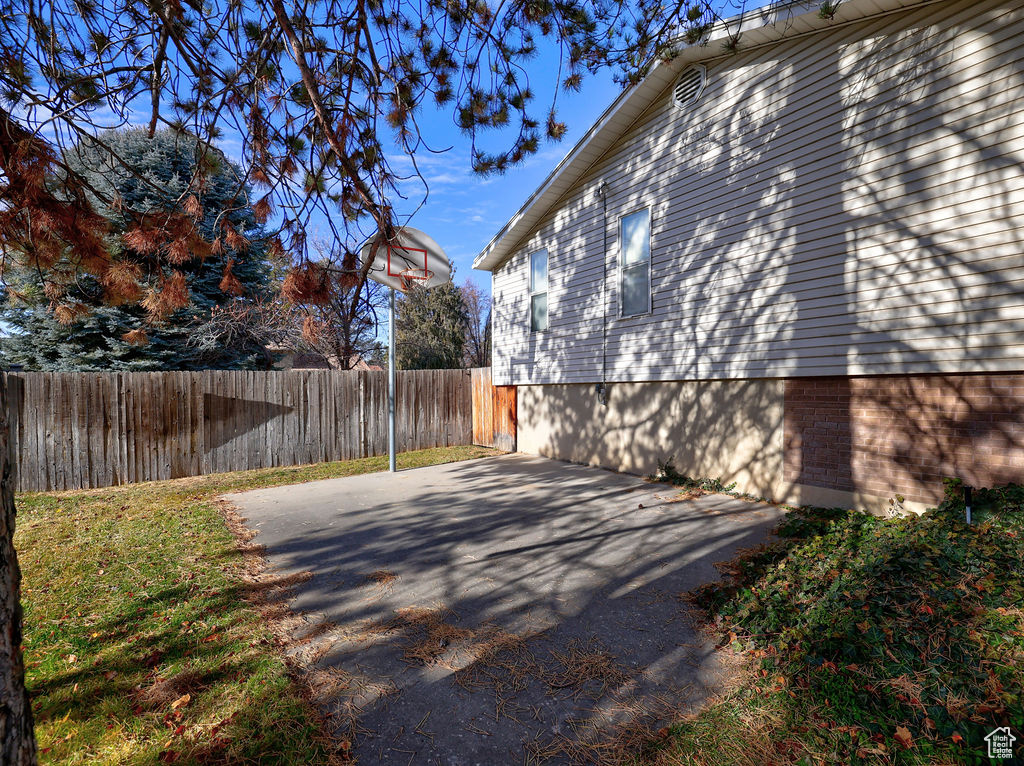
(818, 433)
(885, 435)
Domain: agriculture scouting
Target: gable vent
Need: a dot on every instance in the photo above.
(689, 86)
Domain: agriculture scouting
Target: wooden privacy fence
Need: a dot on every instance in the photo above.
(494, 412)
(77, 430)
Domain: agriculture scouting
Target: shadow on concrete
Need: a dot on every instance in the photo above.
(588, 565)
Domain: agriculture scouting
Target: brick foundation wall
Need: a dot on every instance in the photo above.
(891, 435)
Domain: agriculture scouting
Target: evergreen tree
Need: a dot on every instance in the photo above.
(98, 336)
(431, 328)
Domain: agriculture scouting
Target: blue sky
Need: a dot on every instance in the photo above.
(464, 211)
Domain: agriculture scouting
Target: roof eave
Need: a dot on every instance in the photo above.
(771, 24)
(494, 254)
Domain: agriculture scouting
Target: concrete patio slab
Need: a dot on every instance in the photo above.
(587, 565)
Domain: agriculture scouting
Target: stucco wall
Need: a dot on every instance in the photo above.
(847, 442)
(727, 429)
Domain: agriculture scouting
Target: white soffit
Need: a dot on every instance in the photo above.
(772, 23)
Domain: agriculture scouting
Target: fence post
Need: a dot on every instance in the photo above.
(362, 414)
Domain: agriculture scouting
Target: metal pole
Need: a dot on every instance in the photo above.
(391, 383)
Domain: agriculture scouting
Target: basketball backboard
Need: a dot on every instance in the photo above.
(413, 257)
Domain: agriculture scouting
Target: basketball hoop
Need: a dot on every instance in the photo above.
(409, 276)
(410, 258)
(407, 257)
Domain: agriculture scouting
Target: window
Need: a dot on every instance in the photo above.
(539, 290)
(635, 263)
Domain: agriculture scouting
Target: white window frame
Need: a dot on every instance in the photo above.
(534, 291)
(622, 262)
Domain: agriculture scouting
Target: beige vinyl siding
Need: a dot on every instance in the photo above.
(850, 202)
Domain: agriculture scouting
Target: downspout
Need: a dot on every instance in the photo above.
(602, 387)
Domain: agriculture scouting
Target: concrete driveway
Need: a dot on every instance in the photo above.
(502, 610)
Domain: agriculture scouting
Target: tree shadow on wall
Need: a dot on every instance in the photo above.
(846, 208)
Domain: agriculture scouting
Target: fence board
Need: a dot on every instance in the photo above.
(494, 412)
(505, 418)
(483, 407)
(79, 430)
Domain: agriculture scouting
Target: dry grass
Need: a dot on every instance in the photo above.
(430, 636)
(729, 733)
(730, 729)
(489, 658)
(582, 665)
(500, 661)
(431, 640)
(163, 692)
(624, 721)
(619, 726)
(614, 733)
(382, 578)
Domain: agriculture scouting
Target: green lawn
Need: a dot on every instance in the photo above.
(869, 641)
(140, 643)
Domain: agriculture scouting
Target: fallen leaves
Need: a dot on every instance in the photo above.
(182, 701)
(864, 752)
(890, 644)
(904, 737)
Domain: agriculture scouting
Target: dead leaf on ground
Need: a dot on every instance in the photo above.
(904, 737)
(183, 700)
